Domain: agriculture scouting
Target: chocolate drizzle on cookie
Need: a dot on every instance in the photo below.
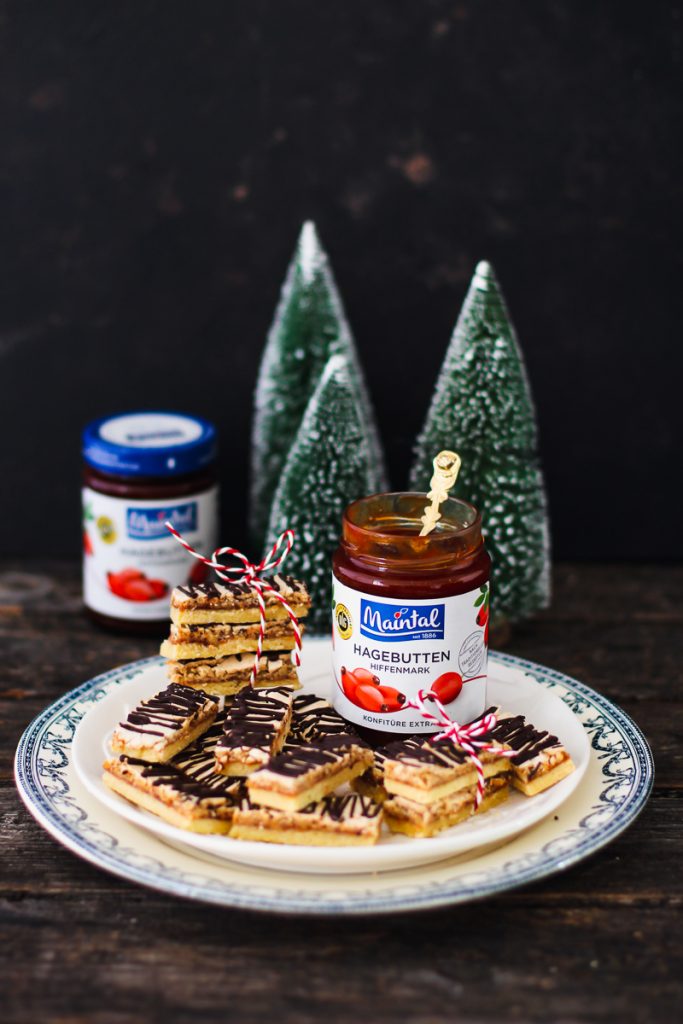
(212, 591)
(442, 754)
(166, 711)
(256, 718)
(328, 750)
(345, 806)
(513, 732)
(522, 737)
(198, 760)
(314, 717)
(186, 786)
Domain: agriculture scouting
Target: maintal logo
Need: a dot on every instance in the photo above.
(392, 623)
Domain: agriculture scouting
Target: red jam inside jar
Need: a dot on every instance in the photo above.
(140, 470)
(410, 613)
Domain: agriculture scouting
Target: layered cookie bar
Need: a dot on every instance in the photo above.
(199, 805)
(215, 630)
(256, 727)
(158, 728)
(229, 675)
(425, 771)
(539, 760)
(337, 820)
(303, 774)
(424, 820)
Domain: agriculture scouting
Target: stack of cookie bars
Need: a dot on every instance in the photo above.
(215, 629)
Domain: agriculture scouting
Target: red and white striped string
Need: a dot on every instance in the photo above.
(464, 735)
(249, 571)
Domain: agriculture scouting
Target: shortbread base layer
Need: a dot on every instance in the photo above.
(296, 801)
(539, 783)
(161, 756)
(195, 822)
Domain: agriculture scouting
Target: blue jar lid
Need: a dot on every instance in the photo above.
(149, 444)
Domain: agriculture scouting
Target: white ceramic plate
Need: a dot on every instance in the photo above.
(508, 687)
(613, 791)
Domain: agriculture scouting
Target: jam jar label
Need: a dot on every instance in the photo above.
(131, 562)
(386, 650)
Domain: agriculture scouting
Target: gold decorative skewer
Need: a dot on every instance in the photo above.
(446, 469)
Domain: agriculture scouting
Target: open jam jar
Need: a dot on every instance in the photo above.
(142, 469)
(410, 613)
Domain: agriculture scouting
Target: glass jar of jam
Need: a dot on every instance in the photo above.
(142, 469)
(410, 613)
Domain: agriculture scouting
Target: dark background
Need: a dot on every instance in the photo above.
(158, 159)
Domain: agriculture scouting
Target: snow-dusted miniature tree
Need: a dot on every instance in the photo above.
(330, 464)
(482, 408)
(309, 326)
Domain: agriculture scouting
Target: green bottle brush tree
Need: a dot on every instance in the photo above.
(482, 408)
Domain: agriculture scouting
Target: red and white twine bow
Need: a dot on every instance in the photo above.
(464, 735)
(249, 572)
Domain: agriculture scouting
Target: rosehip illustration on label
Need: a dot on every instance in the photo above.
(87, 543)
(117, 580)
(482, 616)
(364, 689)
(447, 687)
(138, 590)
(132, 585)
(349, 683)
(160, 587)
(393, 699)
(369, 698)
(363, 675)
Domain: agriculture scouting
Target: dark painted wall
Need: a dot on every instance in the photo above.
(158, 158)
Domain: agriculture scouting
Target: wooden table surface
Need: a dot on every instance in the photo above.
(601, 942)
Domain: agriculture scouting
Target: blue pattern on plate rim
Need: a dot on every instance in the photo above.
(42, 760)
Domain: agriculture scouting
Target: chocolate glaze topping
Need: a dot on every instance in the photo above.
(336, 807)
(186, 786)
(166, 711)
(295, 761)
(255, 718)
(198, 759)
(521, 736)
(313, 717)
(442, 753)
(237, 588)
(514, 732)
(346, 805)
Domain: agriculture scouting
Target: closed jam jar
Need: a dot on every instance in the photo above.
(410, 613)
(142, 469)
